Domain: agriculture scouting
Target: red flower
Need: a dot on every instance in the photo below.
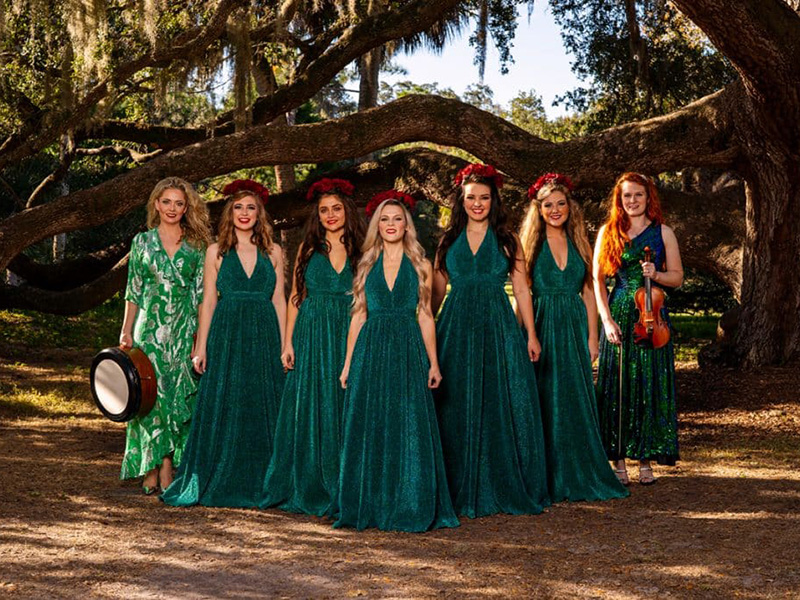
(326, 185)
(485, 171)
(376, 200)
(549, 179)
(258, 190)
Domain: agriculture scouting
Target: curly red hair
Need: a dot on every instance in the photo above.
(618, 222)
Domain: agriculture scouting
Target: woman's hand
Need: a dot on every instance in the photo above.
(199, 361)
(287, 358)
(534, 348)
(125, 340)
(434, 377)
(343, 376)
(613, 332)
(594, 349)
(649, 269)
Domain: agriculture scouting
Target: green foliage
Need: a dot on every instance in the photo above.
(701, 294)
(682, 64)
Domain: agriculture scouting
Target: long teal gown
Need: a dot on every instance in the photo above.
(303, 475)
(577, 468)
(230, 442)
(488, 405)
(392, 474)
(649, 420)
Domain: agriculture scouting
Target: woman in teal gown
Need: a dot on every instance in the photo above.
(643, 423)
(392, 474)
(303, 475)
(560, 262)
(488, 405)
(238, 352)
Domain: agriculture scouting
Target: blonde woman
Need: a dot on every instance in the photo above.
(165, 287)
(238, 352)
(560, 268)
(392, 472)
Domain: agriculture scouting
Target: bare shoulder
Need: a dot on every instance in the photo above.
(276, 253)
(667, 234)
(212, 251)
(427, 267)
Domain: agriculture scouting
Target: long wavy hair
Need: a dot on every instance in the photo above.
(615, 237)
(533, 230)
(372, 248)
(314, 240)
(261, 235)
(195, 226)
(498, 221)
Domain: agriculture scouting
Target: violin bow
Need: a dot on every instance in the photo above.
(619, 407)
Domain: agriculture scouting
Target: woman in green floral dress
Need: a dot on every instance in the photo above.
(165, 287)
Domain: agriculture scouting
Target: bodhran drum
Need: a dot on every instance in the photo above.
(123, 383)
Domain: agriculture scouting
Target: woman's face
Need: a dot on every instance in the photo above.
(330, 210)
(634, 198)
(555, 209)
(392, 223)
(171, 205)
(477, 201)
(245, 211)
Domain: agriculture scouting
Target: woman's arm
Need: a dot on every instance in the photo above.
(673, 276)
(522, 294)
(279, 296)
(287, 356)
(587, 294)
(129, 318)
(613, 333)
(439, 287)
(428, 329)
(207, 308)
(357, 321)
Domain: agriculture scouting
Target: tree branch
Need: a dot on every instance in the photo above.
(116, 150)
(760, 37)
(30, 141)
(696, 135)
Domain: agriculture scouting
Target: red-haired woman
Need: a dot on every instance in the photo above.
(303, 475)
(642, 424)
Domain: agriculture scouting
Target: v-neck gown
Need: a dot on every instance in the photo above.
(230, 442)
(577, 468)
(487, 403)
(392, 474)
(303, 475)
(167, 292)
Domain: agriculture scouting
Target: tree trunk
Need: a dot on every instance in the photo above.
(769, 327)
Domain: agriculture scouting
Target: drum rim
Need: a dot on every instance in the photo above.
(132, 379)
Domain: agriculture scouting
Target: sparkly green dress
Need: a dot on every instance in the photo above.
(487, 403)
(303, 475)
(649, 421)
(167, 292)
(392, 474)
(230, 442)
(577, 468)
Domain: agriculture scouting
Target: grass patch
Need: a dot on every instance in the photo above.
(93, 330)
(692, 332)
(44, 391)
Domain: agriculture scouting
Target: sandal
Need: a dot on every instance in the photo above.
(622, 476)
(646, 479)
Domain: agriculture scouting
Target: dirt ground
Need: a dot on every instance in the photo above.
(725, 523)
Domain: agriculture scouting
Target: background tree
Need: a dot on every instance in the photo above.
(751, 126)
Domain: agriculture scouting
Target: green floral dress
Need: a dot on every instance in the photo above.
(167, 292)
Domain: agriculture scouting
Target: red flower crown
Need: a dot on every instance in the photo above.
(481, 170)
(258, 190)
(401, 197)
(326, 185)
(549, 179)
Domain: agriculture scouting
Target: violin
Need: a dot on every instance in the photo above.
(650, 330)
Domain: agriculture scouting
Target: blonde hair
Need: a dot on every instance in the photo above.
(194, 222)
(372, 248)
(262, 230)
(533, 235)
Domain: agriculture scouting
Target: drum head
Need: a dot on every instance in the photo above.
(115, 385)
